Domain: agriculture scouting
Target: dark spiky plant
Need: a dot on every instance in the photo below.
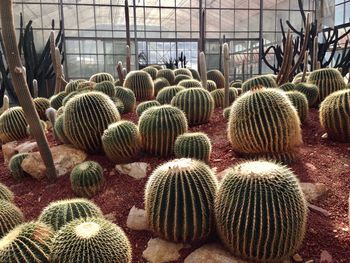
(13, 125)
(216, 76)
(165, 95)
(141, 83)
(145, 105)
(128, 98)
(259, 81)
(167, 74)
(100, 77)
(300, 102)
(310, 91)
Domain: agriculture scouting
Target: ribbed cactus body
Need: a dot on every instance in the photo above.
(128, 98)
(13, 125)
(335, 117)
(310, 91)
(211, 85)
(260, 81)
(190, 83)
(59, 213)
(27, 243)
(261, 211)
(226, 113)
(236, 84)
(166, 95)
(195, 74)
(264, 123)
(141, 83)
(41, 105)
(74, 94)
(179, 200)
(86, 117)
(219, 96)
(167, 74)
(159, 127)
(152, 71)
(10, 217)
(181, 77)
(159, 84)
(6, 194)
(119, 104)
(300, 102)
(197, 103)
(60, 111)
(100, 77)
(73, 85)
(216, 76)
(121, 142)
(183, 71)
(94, 240)
(106, 87)
(86, 85)
(57, 100)
(328, 80)
(297, 77)
(59, 130)
(194, 145)
(287, 86)
(145, 105)
(15, 165)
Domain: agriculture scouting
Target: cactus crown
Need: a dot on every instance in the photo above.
(57, 100)
(100, 77)
(259, 81)
(190, 83)
(128, 98)
(300, 102)
(287, 86)
(159, 84)
(183, 71)
(146, 105)
(180, 77)
(152, 71)
(165, 95)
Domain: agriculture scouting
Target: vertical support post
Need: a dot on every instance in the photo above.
(226, 59)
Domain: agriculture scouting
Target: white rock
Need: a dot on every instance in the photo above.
(297, 258)
(324, 136)
(161, 251)
(311, 166)
(136, 170)
(137, 219)
(313, 191)
(325, 257)
(212, 253)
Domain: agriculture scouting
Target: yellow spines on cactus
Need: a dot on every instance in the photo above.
(167, 74)
(13, 125)
(300, 102)
(10, 217)
(100, 77)
(259, 81)
(141, 83)
(152, 71)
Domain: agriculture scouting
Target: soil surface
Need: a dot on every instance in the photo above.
(321, 160)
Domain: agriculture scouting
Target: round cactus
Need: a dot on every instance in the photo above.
(261, 211)
(211, 85)
(260, 81)
(190, 83)
(6, 194)
(141, 83)
(100, 77)
(159, 84)
(13, 125)
(145, 105)
(152, 71)
(167, 74)
(195, 74)
(166, 95)
(299, 101)
(219, 96)
(73, 85)
(159, 127)
(128, 98)
(27, 243)
(264, 123)
(328, 80)
(297, 77)
(179, 200)
(10, 217)
(74, 94)
(216, 76)
(15, 165)
(197, 103)
(86, 116)
(57, 100)
(59, 130)
(86, 85)
(87, 179)
(194, 145)
(91, 240)
(43, 127)
(226, 113)
(106, 87)
(287, 86)
(183, 71)
(121, 142)
(334, 115)
(180, 77)
(59, 213)
(310, 91)
(41, 105)
(236, 84)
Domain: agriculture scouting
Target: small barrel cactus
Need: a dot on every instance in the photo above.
(335, 117)
(13, 125)
(197, 103)
(166, 95)
(236, 84)
(10, 217)
(91, 240)
(128, 98)
(27, 243)
(121, 142)
(43, 127)
(15, 165)
(167, 74)
(216, 76)
(219, 96)
(41, 105)
(145, 105)
(57, 100)
(261, 211)
(194, 145)
(59, 130)
(226, 113)
(100, 77)
(73, 85)
(106, 87)
(195, 74)
(152, 71)
(179, 200)
(287, 86)
(59, 213)
(6, 194)
(183, 71)
(181, 77)
(211, 85)
(159, 84)
(299, 101)
(190, 83)
(310, 91)
(259, 81)
(86, 116)
(159, 127)
(141, 83)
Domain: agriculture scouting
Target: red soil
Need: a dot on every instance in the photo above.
(122, 192)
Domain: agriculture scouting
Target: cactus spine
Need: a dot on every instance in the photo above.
(13, 125)
(181, 77)
(152, 71)
(190, 83)
(299, 101)
(159, 84)
(287, 86)
(183, 71)
(57, 100)
(166, 95)
(141, 83)
(10, 217)
(6, 194)
(73, 85)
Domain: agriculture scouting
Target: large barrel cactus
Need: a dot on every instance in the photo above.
(183, 71)
(6, 194)
(10, 217)
(13, 125)
(159, 84)
(216, 76)
(141, 83)
(100, 77)
(310, 91)
(166, 95)
(190, 83)
(94, 240)
(57, 100)
(179, 200)
(264, 124)
(335, 115)
(145, 105)
(259, 81)
(106, 87)
(167, 74)
(15, 165)
(299, 101)
(121, 142)
(197, 103)
(159, 127)
(86, 116)
(152, 71)
(261, 211)
(128, 98)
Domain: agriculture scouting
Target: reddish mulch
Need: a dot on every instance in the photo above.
(121, 192)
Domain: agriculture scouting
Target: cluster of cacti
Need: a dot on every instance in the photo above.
(195, 74)
(236, 84)
(194, 145)
(41, 105)
(59, 129)
(264, 81)
(57, 100)
(167, 74)
(183, 71)
(13, 125)
(100, 77)
(159, 127)
(106, 87)
(152, 71)
(287, 86)
(300, 102)
(211, 85)
(128, 98)
(335, 117)
(141, 83)
(159, 84)
(226, 112)
(328, 80)
(216, 76)
(190, 83)
(264, 123)
(181, 77)
(91, 240)
(166, 95)
(197, 103)
(10, 217)
(145, 105)
(27, 243)
(59, 213)
(261, 211)
(73, 85)
(86, 116)
(15, 165)
(5, 193)
(179, 200)
(121, 141)
(310, 91)
(43, 127)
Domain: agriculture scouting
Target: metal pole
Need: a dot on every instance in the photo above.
(261, 39)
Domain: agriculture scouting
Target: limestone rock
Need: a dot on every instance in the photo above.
(65, 158)
(325, 257)
(137, 170)
(313, 191)
(159, 251)
(11, 148)
(137, 219)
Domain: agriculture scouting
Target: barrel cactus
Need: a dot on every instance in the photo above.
(91, 240)
(194, 145)
(145, 105)
(166, 95)
(297, 78)
(59, 213)
(10, 217)
(299, 101)
(197, 103)
(57, 100)
(15, 165)
(121, 142)
(74, 94)
(195, 74)
(141, 83)
(87, 179)
(261, 211)
(226, 113)
(167, 74)
(159, 84)
(86, 116)
(106, 87)
(219, 96)
(216, 76)
(59, 130)
(211, 85)
(27, 243)
(6, 194)
(236, 84)
(41, 105)
(190, 83)
(179, 200)
(334, 115)
(181, 77)
(73, 85)
(100, 77)
(259, 81)
(128, 98)
(119, 105)
(152, 71)
(310, 91)
(287, 86)
(13, 125)
(183, 71)
(264, 124)
(159, 127)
